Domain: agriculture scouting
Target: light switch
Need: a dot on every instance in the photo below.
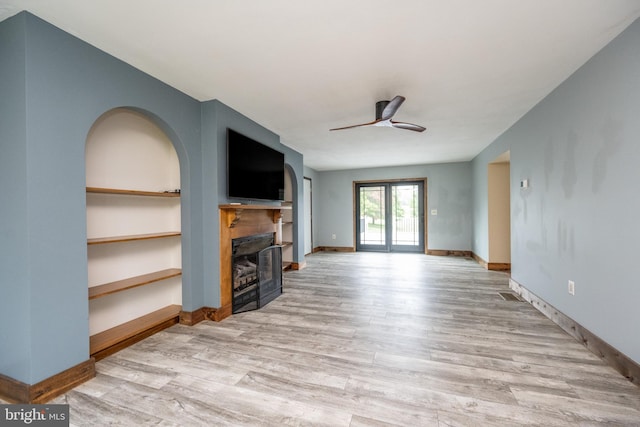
(434, 212)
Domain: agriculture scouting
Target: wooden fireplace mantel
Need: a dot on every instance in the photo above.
(233, 213)
(241, 221)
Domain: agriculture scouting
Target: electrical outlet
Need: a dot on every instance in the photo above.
(333, 237)
(572, 287)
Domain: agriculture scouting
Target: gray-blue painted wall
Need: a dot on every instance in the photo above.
(15, 327)
(54, 87)
(448, 191)
(579, 219)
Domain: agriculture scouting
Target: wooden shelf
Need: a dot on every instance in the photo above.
(100, 190)
(120, 333)
(132, 282)
(130, 238)
(285, 244)
(287, 222)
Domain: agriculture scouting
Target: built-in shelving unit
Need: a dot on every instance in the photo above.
(117, 336)
(287, 229)
(287, 224)
(134, 237)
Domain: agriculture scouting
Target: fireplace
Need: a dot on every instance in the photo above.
(256, 265)
(237, 222)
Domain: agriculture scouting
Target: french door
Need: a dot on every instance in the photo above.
(390, 216)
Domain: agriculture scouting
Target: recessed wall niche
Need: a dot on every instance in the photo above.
(133, 227)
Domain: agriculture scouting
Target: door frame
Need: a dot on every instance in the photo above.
(308, 215)
(389, 181)
(499, 213)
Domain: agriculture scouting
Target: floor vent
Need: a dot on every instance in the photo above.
(508, 296)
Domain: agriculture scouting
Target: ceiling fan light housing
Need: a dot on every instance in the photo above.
(384, 123)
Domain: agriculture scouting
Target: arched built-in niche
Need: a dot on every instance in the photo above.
(133, 228)
(288, 245)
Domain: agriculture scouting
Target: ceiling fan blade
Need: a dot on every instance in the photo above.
(408, 126)
(384, 111)
(392, 107)
(357, 126)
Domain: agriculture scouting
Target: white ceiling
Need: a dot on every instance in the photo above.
(468, 68)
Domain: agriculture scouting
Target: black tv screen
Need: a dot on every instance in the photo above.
(254, 170)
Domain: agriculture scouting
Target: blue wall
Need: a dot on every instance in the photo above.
(15, 327)
(448, 191)
(54, 87)
(578, 220)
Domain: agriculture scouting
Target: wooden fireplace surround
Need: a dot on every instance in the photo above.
(242, 221)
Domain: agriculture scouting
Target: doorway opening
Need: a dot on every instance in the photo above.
(499, 204)
(308, 212)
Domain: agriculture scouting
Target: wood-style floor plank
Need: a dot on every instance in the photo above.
(364, 339)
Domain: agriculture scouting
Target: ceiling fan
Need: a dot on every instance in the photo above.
(384, 112)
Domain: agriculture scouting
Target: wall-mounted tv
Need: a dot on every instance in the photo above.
(254, 170)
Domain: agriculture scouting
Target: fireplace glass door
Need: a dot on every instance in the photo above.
(256, 265)
(269, 274)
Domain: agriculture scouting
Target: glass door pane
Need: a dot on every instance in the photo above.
(372, 217)
(406, 230)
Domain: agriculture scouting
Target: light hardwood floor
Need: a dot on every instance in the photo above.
(364, 339)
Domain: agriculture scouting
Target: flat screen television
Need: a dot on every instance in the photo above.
(254, 170)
